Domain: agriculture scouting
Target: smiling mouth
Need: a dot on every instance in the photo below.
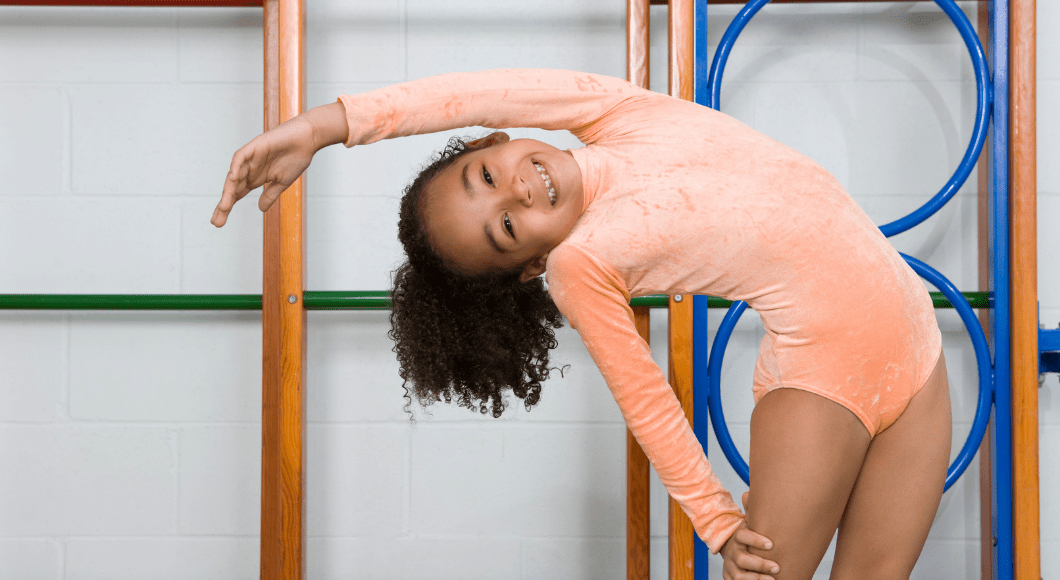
(548, 182)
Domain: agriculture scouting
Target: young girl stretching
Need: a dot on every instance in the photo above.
(851, 428)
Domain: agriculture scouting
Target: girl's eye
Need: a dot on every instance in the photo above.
(486, 176)
(508, 225)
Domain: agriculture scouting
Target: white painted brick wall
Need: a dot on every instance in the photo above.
(34, 363)
(220, 506)
(357, 480)
(30, 560)
(416, 558)
(87, 480)
(37, 116)
(162, 558)
(457, 473)
(148, 366)
(136, 434)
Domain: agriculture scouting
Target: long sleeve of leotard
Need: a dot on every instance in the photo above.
(596, 302)
(539, 98)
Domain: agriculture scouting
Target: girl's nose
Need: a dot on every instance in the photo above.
(521, 191)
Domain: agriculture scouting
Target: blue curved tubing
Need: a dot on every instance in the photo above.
(982, 357)
(984, 97)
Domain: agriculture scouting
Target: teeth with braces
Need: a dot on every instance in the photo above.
(548, 182)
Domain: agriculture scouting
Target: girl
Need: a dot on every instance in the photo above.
(851, 428)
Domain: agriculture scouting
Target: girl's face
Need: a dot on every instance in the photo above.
(504, 205)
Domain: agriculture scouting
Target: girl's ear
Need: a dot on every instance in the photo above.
(534, 269)
(495, 138)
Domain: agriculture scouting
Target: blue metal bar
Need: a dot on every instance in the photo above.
(1001, 448)
(700, 330)
(982, 117)
(983, 364)
(701, 405)
(717, 414)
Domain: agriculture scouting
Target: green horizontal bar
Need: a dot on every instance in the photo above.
(314, 300)
(131, 301)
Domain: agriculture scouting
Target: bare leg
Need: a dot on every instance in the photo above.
(895, 498)
(806, 452)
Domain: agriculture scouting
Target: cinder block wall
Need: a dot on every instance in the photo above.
(129, 442)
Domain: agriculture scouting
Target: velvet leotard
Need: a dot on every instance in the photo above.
(681, 199)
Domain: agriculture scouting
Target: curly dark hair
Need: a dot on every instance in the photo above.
(461, 336)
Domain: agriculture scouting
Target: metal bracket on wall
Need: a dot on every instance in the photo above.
(1048, 351)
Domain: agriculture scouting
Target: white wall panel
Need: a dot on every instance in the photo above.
(416, 558)
(150, 366)
(85, 246)
(355, 41)
(356, 480)
(81, 480)
(147, 140)
(31, 560)
(33, 355)
(457, 473)
(88, 45)
(220, 480)
(563, 558)
(33, 122)
(220, 45)
(162, 558)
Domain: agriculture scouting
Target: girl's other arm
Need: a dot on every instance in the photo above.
(277, 157)
(595, 301)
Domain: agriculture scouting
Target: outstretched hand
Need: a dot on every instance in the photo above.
(740, 563)
(273, 159)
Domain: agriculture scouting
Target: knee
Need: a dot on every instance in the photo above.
(798, 550)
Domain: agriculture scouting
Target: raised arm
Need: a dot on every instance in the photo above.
(502, 98)
(541, 98)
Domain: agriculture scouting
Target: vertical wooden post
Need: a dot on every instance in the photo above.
(682, 534)
(283, 318)
(1024, 289)
(682, 85)
(683, 50)
(638, 42)
(638, 518)
(638, 512)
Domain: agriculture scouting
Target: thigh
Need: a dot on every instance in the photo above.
(898, 491)
(806, 451)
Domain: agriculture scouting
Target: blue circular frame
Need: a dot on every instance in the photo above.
(982, 357)
(984, 97)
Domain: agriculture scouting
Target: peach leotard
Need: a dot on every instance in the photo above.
(681, 199)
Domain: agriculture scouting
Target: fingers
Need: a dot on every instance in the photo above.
(740, 575)
(740, 564)
(755, 540)
(730, 571)
(745, 499)
(751, 563)
(270, 194)
(235, 187)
